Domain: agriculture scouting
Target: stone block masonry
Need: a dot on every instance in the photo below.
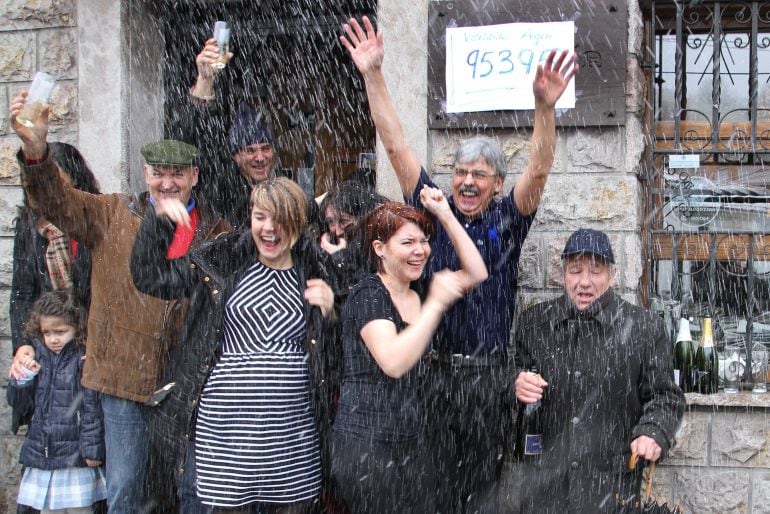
(35, 35)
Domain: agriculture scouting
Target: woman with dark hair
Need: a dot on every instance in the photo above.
(341, 211)
(45, 259)
(378, 460)
(246, 400)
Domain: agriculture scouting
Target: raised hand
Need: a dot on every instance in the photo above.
(434, 201)
(174, 210)
(365, 48)
(552, 79)
(204, 84)
(446, 288)
(33, 138)
(207, 56)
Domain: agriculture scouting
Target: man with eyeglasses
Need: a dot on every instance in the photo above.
(467, 391)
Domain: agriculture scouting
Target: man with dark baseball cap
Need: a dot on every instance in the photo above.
(129, 334)
(605, 387)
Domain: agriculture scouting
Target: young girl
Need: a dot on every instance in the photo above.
(65, 444)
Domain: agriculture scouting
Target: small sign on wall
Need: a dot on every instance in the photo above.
(684, 161)
(600, 35)
(492, 67)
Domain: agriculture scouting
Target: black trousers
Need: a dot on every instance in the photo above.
(382, 478)
(469, 419)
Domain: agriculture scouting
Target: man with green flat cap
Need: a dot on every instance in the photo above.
(129, 334)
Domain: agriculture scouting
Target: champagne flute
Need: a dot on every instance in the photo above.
(222, 35)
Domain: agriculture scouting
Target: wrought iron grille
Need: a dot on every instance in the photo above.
(707, 226)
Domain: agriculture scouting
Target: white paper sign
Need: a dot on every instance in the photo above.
(492, 67)
(686, 161)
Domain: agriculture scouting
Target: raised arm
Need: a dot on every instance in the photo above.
(82, 216)
(204, 83)
(366, 50)
(398, 352)
(550, 83)
(473, 271)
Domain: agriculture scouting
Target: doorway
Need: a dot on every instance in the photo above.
(288, 64)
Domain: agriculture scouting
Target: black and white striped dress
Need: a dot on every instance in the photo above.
(255, 436)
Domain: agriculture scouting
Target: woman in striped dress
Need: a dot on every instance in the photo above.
(248, 376)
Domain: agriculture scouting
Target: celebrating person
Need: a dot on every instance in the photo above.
(129, 334)
(468, 385)
(379, 460)
(247, 402)
(605, 385)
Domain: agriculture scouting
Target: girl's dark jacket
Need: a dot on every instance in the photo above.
(208, 276)
(31, 279)
(67, 427)
(610, 379)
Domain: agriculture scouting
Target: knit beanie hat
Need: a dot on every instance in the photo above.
(248, 129)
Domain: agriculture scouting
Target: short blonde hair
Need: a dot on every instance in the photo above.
(285, 201)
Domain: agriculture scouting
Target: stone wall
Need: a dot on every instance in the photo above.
(35, 36)
(721, 463)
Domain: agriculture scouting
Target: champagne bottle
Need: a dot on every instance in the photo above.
(529, 447)
(683, 357)
(706, 361)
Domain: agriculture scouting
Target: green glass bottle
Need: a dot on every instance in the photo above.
(684, 358)
(706, 361)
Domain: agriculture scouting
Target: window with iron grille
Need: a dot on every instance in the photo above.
(707, 223)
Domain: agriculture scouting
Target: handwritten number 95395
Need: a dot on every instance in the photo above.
(484, 64)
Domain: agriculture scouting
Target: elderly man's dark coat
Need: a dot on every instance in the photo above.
(610, 377)
(208, 277)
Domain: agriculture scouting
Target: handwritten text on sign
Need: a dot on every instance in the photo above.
(492, 67)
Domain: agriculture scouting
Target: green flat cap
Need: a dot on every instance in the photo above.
(169, 152)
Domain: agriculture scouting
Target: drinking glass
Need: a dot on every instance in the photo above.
(733, 366)
(759, 368)
(222, 35)
(37, 99)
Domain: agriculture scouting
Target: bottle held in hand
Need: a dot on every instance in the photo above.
(530, 422)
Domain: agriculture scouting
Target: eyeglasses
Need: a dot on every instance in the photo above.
(461, 173)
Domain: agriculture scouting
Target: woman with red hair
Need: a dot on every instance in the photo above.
(378, 461)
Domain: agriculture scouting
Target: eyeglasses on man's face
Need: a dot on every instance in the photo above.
(479, 175)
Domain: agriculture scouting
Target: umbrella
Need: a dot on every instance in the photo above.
(646, 504)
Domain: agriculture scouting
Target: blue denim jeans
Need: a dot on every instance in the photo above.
(187, 486)
(126, 443)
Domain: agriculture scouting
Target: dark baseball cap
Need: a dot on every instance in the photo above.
(589, 241)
